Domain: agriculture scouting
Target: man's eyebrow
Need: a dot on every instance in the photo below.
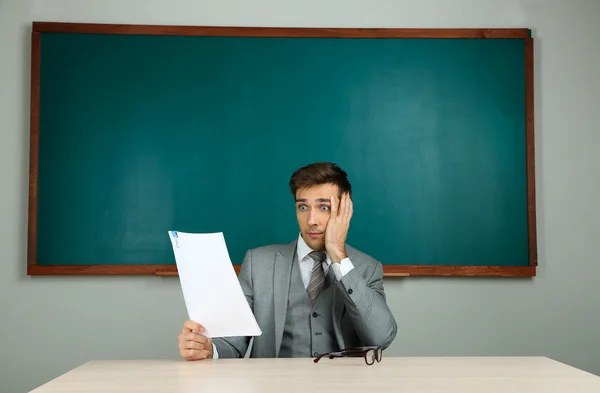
(317, 200)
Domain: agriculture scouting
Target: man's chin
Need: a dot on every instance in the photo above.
(315, 245)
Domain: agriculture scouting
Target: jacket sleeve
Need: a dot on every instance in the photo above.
(366, 305)
(236, 347)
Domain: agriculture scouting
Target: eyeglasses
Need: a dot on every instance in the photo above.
(371, 354)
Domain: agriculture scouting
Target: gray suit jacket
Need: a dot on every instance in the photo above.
(360, 312)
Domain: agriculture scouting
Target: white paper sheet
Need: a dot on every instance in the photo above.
(211, 290)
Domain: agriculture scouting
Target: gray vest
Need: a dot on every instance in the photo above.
(308, 330)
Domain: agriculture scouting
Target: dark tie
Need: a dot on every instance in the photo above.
(317, 277)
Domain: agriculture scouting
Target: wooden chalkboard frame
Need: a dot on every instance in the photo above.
(171, 270)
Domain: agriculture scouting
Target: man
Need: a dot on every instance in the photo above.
(314, 295)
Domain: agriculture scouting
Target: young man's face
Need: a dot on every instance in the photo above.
(312, 210)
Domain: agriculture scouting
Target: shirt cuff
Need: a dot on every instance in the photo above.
(342, 268)
(215, 352)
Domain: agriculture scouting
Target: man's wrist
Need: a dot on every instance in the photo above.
(338, 256)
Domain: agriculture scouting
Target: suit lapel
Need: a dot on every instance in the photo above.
(281, 289)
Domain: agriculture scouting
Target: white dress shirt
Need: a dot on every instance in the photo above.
(306, 265)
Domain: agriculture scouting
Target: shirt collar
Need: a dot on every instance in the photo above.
(303, 250)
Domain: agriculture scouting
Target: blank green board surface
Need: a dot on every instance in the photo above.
(140, 134)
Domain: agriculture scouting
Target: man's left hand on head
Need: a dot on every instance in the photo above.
(337, 227)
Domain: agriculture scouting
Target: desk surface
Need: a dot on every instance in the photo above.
(464, 375)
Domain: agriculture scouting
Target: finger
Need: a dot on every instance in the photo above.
(351, 208)
(334, 206)
(195, 337)
(190, 326)
(195, 354)
(347, 207)
(192, 345)
(343, 206)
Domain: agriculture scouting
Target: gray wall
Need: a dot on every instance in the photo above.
(52, 324)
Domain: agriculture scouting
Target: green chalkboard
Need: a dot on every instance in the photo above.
(143, 133)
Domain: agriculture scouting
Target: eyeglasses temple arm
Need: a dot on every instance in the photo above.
(329, 354)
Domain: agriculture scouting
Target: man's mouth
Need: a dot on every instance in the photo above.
(314, 235)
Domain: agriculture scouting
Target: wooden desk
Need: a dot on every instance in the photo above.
(458, 375)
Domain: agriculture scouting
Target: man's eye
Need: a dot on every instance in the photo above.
(302, 207)
(325, 207)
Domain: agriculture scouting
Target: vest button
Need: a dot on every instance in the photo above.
(315, 354)
(350, 291)
(315, 315)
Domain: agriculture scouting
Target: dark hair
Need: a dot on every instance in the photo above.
(320, 173)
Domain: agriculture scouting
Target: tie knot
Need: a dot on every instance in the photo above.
(318, 256)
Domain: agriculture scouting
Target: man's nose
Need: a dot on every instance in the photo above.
(312, 218)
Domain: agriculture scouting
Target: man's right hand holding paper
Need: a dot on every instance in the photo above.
(192, 344)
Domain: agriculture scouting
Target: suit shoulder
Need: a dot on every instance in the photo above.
(269, 251)
(261, 258)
